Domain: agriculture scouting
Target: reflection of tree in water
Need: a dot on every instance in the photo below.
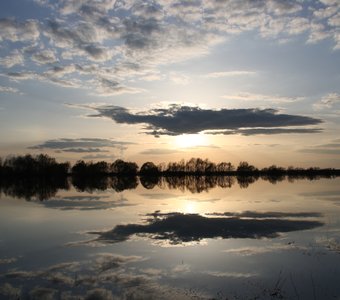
(149, 182)
(90, 183)
(196, 184)
(274, 178)
(102, 183)
(45, 187)
(30, 188)
(245, 181)
(121, 183)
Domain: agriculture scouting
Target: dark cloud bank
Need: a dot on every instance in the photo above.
(177, 228)
(177, 119)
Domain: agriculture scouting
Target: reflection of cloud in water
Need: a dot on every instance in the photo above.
(331, 243)
(248, 251)
(105, 276)
(177, 228)
(86, 203)
(42, 293)
(265, 215)
(109, 261)
(9, 291)
(7, 260)
(99, 294)
(162, 196)
(211, 200)
(229, 274)
(333, 196)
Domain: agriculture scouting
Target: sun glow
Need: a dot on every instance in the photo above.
(191, 140)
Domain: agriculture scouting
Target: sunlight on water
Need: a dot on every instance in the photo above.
(190, 207)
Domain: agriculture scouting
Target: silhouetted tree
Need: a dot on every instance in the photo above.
(225, 167)
(121, 167)
(149, 168)
(273, 169)
(246, 168)
(82, 168)
(79, 168)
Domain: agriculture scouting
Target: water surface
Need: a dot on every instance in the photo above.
(217, 238)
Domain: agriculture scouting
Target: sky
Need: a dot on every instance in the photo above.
(227, 80)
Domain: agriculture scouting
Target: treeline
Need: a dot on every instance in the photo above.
(46, 166)
(28, 165)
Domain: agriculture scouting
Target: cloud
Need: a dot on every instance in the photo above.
(99, 156)
(229, 74)
(328, 101)
(267, 131)
(14, 59)
(44, 57)
(108, 87)
(320, 151)
(177, 228)
(244, 96)
(46, 77)
(159, 151)
(15, 31)
(60, 71)
(179, 78)
(84, 150)
(7, 89)
(177, 119)
(332, 148)
(136, 39)
(81, 145)
(84, 39)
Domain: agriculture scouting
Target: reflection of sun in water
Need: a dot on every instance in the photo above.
(190, 207)
(190, 140)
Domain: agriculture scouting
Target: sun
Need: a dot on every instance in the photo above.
(190, 140)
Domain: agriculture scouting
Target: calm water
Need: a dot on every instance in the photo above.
(160, 240)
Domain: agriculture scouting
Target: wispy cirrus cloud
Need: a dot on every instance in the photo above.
(177, 119)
